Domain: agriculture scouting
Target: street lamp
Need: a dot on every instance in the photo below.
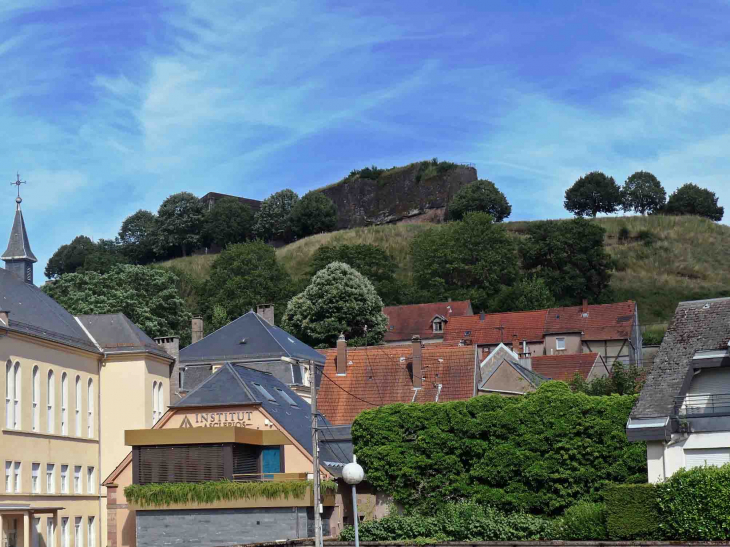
(353, 474)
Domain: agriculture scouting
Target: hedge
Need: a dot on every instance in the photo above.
(455, 522)
(166, 494)
(539, 453)
(632, 512)
(695, 504)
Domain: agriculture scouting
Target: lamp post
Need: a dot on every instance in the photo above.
(353, 474)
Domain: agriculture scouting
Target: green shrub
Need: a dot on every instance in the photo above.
(623, 234)
(695, 504)
(539, 453)
(165, 494)
(654, 336)
(632, 512)
(463, 521)
(584, 521)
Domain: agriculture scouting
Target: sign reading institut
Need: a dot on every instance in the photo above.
(218, 419)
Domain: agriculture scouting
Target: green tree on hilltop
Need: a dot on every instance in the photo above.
(138, 235)
(229, 221)
(690, 199)
(593, 193)
(481, 195)
(338, 300)
(643, 193)
(273, 220)
(180, 223)
(313, 214)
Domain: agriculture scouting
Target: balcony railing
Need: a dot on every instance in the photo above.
(269, 477)
(695, 406)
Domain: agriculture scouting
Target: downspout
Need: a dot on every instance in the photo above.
(664, 454)
(98, 418)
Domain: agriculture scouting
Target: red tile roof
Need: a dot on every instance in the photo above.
(564, 367)
(406, 321)
(381, 375)
(603, 322)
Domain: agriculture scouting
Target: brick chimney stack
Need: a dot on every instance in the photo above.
(417, 361)
(585, 305)
(197, 329)
(266, 312)
(171, 345)
(341, 356)
(516, 344)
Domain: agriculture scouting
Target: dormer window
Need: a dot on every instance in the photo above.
(438, 325)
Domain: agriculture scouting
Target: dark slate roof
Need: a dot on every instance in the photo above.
(35, 313)
(194, 375)
(234, 384)
(115, 333)
(19, 246)
(696, 326)
(263, 341)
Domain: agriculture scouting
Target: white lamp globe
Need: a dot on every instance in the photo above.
(353, 473)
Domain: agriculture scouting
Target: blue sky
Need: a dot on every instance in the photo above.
(109, 107)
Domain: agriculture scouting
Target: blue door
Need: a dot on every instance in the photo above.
(271, 461)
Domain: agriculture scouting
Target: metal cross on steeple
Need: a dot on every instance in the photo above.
(17, 183)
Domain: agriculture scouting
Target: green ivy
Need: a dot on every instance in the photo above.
(540, 453)
(166, 494)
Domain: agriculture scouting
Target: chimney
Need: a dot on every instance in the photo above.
(341, 356)
(417, 361)
(525, 356)
(197, 329)
(515, 344)
(266, 312)
(585, 305)
(171, 345)
(481, 316)
(5, 317)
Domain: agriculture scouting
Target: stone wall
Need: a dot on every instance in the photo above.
(397, 196)
(225, 527)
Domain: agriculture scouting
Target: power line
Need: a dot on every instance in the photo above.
(349, 393)
(334, 441)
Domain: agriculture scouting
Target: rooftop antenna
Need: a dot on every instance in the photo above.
(17, 182)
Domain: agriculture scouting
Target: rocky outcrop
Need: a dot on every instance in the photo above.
(419, 192)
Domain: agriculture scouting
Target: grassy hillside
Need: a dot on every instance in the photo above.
(664, 260)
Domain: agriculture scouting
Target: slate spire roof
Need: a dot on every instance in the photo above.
(19, 246)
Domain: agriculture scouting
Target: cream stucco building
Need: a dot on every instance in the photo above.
(72, 386)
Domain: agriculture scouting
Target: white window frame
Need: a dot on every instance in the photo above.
(50, 478)
(64, 532)
(36, 396)
(64, 479)
(559, 344)
(78, 486)
(9, 386)
(16, 403)
(77, 406)
(91, 532)
(35, 478)
(90, 486)
(50, 532)
(78, 532)
(50, 400)
(64, 404)
(440, 324)
(160, 401)
(18, 475)
(9, 476)
(90, 408)
(154, 403)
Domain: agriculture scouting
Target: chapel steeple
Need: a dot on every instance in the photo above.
(18, 257)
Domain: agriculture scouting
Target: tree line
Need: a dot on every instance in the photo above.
(182, 225)
(596, 192)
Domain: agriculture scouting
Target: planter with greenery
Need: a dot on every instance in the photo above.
(181, 493)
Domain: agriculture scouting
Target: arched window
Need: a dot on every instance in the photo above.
(36, 394)
(77, 406)
(9, 394)
(17, 413)
(154, 403)
(160, 401)
(51, 397)
(90, 406)
(64, 404)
